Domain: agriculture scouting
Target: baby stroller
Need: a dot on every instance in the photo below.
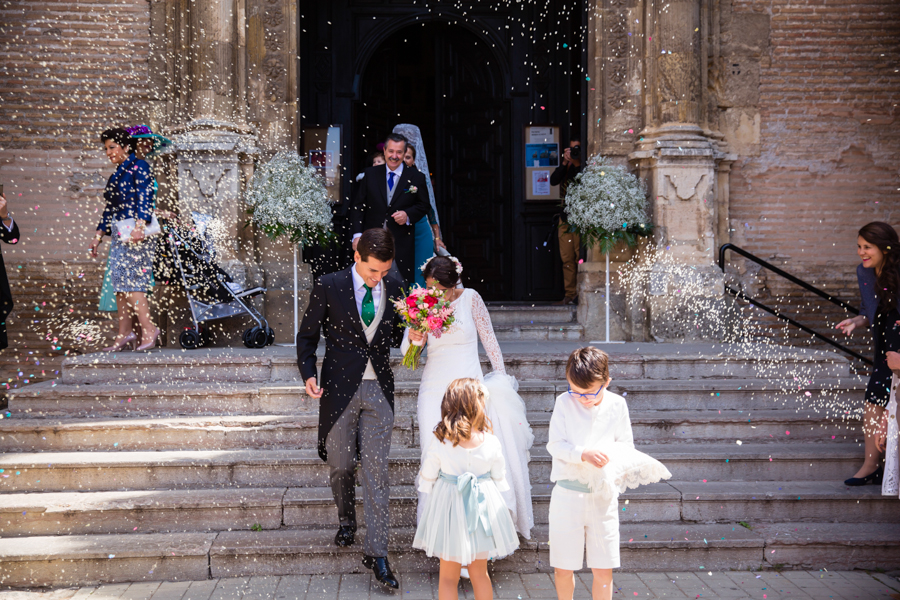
(187, 253)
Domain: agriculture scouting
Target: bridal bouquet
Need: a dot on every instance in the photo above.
(427, 311)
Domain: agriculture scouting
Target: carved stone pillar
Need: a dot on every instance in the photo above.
(683, 162)
(211, 159)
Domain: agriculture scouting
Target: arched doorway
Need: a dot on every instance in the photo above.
(447, 81)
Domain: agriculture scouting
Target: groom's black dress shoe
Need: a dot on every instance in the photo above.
(382, 570)
(345, 536)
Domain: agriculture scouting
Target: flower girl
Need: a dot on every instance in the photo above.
(465, 522)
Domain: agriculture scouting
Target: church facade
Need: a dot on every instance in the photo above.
(765, 123)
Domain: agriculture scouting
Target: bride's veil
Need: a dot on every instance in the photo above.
(412, 133)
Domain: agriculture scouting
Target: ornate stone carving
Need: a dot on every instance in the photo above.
(207, 177)
(686, 185)
(273, 17)
(275, 77)
(273, 41)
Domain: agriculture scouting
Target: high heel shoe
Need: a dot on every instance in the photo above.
(129, 339)
(150, 344)
(873, 478)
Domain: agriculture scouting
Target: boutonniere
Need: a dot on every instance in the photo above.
(412, 189)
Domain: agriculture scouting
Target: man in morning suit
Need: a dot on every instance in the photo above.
(356, 408)
(395, 198)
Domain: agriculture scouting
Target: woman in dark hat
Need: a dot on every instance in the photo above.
(9, 233)
(129, 194)
(146, 146)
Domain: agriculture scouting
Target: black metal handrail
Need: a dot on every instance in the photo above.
(741, 295)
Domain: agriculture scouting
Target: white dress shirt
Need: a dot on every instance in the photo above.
(574, 428)
(360, 292)
(397, 175)
(11, 223)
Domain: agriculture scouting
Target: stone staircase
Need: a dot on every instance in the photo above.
(188, 465)
(524, 321)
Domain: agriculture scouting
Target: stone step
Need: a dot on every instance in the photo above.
(232, 432)
(539, 331)
(41, 561)
(532, 314)
(92, 559)
(276, 363)
(55, 399)
(227, 509)
(755, 502)
(162, 511)
(100, 471)
(174, 433)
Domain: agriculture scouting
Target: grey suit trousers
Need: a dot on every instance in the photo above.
(366, 424)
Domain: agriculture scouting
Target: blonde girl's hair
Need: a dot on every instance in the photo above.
(462, 411)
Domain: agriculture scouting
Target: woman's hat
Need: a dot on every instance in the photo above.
(143, 132)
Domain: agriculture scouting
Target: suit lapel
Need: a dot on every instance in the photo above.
(348, 301)
(381, 184)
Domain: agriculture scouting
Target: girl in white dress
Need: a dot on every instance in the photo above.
(455, 355)
(465, 521)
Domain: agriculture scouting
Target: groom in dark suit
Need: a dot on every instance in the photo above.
(356, 409)
(395, 198)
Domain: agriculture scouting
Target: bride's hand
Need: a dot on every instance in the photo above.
(416, 337)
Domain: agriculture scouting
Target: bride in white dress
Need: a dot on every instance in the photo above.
(889, 436)
(455, 355)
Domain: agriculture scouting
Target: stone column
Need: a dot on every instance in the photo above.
(680, 158)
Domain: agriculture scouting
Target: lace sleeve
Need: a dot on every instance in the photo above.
(486, 332)
(404, 345)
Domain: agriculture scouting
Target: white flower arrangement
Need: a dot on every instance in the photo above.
(605, 203)
(286, 197)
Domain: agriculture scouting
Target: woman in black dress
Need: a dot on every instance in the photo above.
(878, 248)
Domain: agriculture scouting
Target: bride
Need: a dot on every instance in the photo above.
(455, 355)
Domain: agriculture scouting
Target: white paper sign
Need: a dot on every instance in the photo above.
(540, 183)
(540, 135)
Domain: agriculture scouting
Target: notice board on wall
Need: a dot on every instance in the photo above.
(541, 155)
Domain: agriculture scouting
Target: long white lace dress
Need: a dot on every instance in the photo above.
(455, 355)
(890, 485)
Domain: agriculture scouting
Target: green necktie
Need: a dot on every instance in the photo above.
(368, 307)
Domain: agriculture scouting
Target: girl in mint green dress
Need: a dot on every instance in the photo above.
(465, 522)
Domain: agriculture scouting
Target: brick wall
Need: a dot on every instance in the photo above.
(68, 70)
(829, 143)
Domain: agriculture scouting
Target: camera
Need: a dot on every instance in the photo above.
(575, 152)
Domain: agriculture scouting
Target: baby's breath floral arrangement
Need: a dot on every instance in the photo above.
(286, 197)
(605, 203)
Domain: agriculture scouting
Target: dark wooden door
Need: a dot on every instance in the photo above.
(470, 75)
(440, 78)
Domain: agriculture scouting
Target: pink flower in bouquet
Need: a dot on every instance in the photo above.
(424, 310)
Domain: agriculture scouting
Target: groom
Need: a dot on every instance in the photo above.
(395, 198)
(356, 411)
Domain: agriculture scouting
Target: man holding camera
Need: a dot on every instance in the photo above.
(569, 243)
